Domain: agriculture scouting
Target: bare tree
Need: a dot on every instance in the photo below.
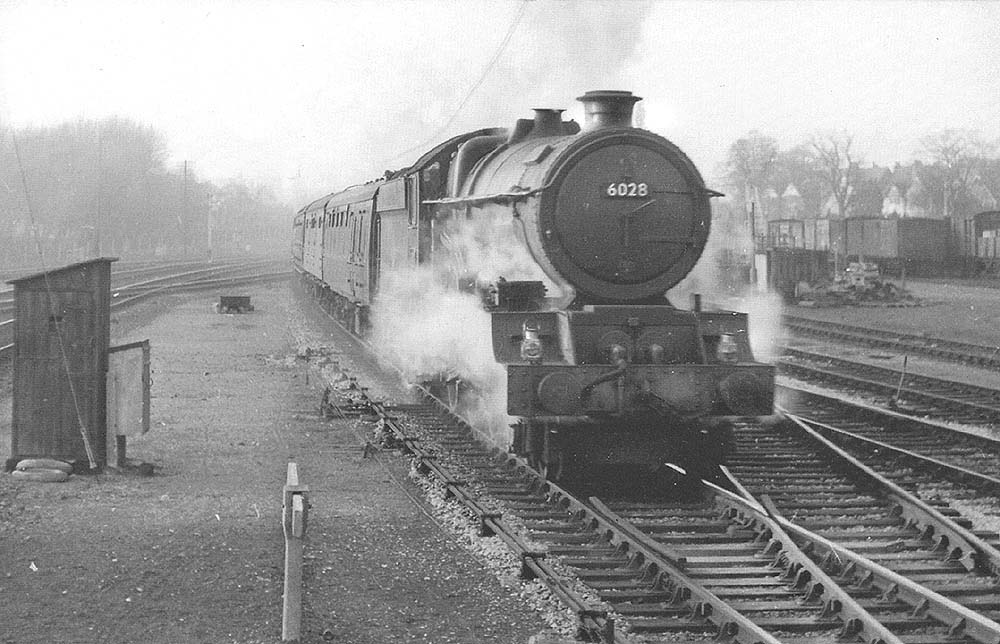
(104, 187)
(958, 155)
(798, 167)
(838, 166)
(751, 162)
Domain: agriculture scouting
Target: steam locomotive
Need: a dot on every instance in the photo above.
(602, 370)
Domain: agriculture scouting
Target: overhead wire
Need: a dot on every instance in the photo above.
(508, 36)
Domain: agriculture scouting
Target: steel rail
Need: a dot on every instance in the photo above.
(729, 621)
(858, 621)
(931, 547)
(659, 560)
(200, 285)
(961, 544)
(799, 569)
(855, 618)
(923, 462)
(986, 406)
(656, 559)
(935, 347)
(123, 302)
(211, 270)
(149, 271)
(961, 620)
(592, 621)
(888, 423)
(893, 374)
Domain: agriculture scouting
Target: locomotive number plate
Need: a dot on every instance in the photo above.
(626, 190)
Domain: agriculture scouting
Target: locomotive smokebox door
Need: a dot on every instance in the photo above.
(62, 328)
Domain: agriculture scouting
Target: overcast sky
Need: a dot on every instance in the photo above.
(310, 95)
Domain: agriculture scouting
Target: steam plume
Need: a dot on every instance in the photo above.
(428, 327)
(709, 279)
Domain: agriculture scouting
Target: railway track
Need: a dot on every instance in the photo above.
(682, 568)
(922, 395)
(809, 481)
(116, 267)
(819, 548)
(136, 284)
(139, 277)
(909, 343)
(709, 564)
(961, 456)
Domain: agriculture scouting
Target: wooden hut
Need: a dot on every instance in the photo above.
(61, 336)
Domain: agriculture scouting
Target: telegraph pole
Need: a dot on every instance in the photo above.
(184, 210)
(98, 218)
(208, 217)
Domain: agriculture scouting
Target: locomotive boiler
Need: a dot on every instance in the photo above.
(603, 371)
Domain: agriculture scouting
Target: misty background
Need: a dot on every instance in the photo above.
(178, 129)
(154, 127)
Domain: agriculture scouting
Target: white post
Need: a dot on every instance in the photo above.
(294, 510)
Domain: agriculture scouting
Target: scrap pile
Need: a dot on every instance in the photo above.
(860, 284)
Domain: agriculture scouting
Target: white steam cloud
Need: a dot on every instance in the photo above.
(559, 51)
(427, 327)
(709, 278)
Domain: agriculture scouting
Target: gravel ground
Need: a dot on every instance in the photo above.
(194, 553)
(951, 311)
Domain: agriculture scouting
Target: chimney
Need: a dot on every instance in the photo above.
(607, 108)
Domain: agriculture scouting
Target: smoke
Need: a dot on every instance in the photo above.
(487, 248)
(429, 328)
(763, 310)
(566, 48)
(558, 51)
(717, 277)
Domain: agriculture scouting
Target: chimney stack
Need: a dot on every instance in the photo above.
(607, 108)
